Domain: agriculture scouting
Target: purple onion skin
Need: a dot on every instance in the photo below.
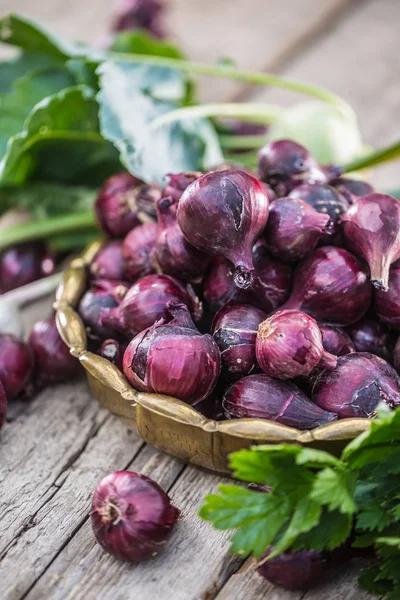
(112, 210)
(294, 229)
(113, 351)
(137, 251)
(354, 389)
(323, 198)
(396, 356)
(304, 569)
(235, 330)
(262, 397)
(178, 182)
(53, 362)
(331, 286)
(16, 365)
(146, 301)
(24, 263)
(387, 304)
(108, 264)
(218, 284)
(284, 164)
(132, 517)
(172, 252)
(371, 229)
(3, 405)
(351, 189)
(173, 358)
(370, 335)
(223, 213)
(289, 344)
(103, 295)
(140, 14)
(335, 340)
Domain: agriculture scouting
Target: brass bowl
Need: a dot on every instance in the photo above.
(167, 423)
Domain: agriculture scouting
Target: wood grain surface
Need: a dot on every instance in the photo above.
(55, 448)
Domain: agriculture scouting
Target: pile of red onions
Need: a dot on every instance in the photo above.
(284, 270)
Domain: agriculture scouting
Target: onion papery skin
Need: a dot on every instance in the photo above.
(284, 164)
(235, 330)
(16, 365)
(289, 344)
(113, 351)
(262, 397)
(178, 182)
(173, 253)
(354, 389)
(137, 251)
(370, 335)
(387, 304)
(146, 302)
(323, 198)
(351, 189)
(107, 264)
(23, 263)
(331, 286)
(3, 405)
(371, 228)
(336, 340)
(173, 358)
(218, 284)
(294, 229)
(132, 517)
(102, 296)
(223, 213)
(53, 362)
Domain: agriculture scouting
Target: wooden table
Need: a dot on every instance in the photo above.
(56, 448)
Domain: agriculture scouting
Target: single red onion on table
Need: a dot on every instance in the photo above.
(23, 263)
(351, 189)
(172, 252)
(101, 296)
(331, 286)
(294, 229)
(262, 397)
(132, 517)
(3, 405)
(113, 351)
(289, 344)
(178, 182)
(173, 358)
(137, 251)
(53, 361)
(387, 304)
(146, 302)
(336, 340)
(107, 264)
(16, 365)
(235, 330)
(284, 164)
(223, 213)
(370, 335)
(371, 228)
(358, 384)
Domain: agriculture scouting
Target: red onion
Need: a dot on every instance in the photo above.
(140, 14)
(354, 389)
(107, 264)
(335, 340)
(224, 212)
(396, 356)
(3, 405)
(173, 253)
(113, 351)
(124, 202)
(16, 365)
(289, 344)
(372, 230)
(173, 358)
(294, 229)
(304, 569)
(103, 295)
(235, 330)
(218, 284)
(260, 396)
(387, 304)
(351, 189)
(53, 362)
(370, 335)
(132, 517)
(323, 198)
(178, 182)
(24, 263)
(331, 286)
(284, 164)
(137, 251)
(146, 301)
